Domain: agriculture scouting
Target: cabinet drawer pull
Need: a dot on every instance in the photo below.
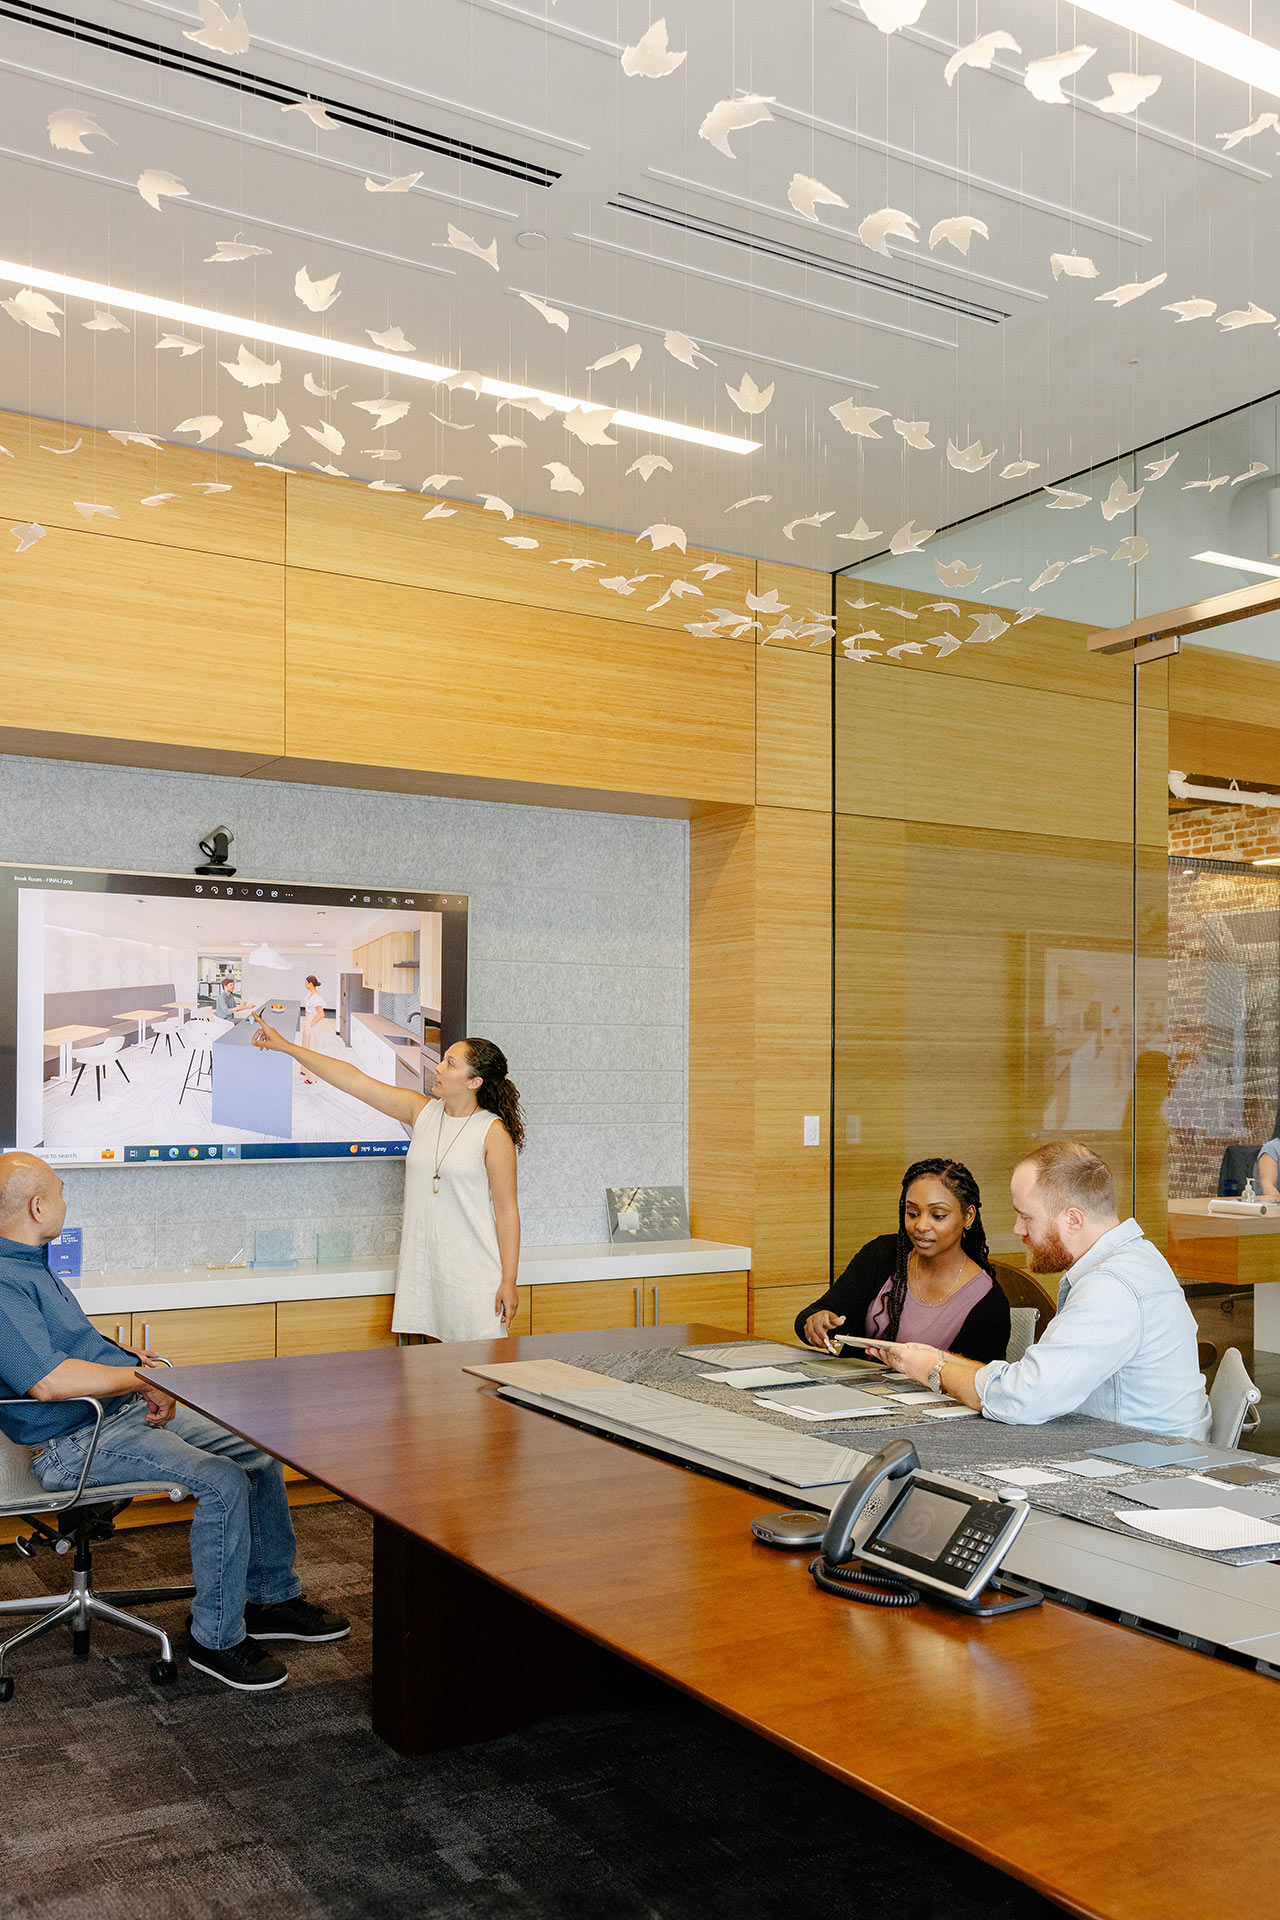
(639, 1321)
(146, 1333)
(657, 1308)
(120, 1339)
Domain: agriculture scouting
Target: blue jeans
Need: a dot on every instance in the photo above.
(242, 1544)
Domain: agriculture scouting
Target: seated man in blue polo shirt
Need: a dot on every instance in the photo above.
(242, 1545)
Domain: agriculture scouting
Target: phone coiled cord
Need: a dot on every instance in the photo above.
(859, 1582)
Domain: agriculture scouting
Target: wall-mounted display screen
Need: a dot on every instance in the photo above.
(127, 1003)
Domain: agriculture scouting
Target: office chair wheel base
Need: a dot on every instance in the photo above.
(163, 1673)
(6, 1689)
(1227, 1306)
(80, 1643)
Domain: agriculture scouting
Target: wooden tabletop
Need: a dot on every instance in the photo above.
(62, 1036)
(1121, 1776)
(142, 1013)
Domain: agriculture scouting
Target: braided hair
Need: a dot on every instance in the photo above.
(958, 1180)
(496, 1094)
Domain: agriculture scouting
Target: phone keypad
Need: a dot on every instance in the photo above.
(969, 1548)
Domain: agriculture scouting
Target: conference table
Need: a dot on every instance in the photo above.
(523, 1566)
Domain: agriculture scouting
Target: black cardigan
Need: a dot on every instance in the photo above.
(984, 1335)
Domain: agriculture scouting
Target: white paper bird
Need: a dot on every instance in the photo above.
(1016, 468)
(970, 459)
(711, 569)
(1210, 485)
(651, 58)
(1076, 266)
(866, 633)
(943, 606)
(221, 31)
(1050, 574)
(504, 440)
(958, 232)
(179, 343)
(327, 436)
(650, 463)
(576, 564)
(104, 323)
(438, 512)
(382, 453)
(1120, 499)
(158, 499)
(630, 354)
(750, 500)
(889, 15)
(228, 250)
(1260, 125)
(28, 533)
(385, 411)
(156, 185)
(522, 540)
(946, 643)
(34, 310)
(909, 539)
(806, 194)
(266, 437)
(861, 653)
(874, 231)
(663, 534)
(1132, 549)
(905, 646)
(732, 116)
(1024, 614)
(494, 503)
(1128, 91)
(317, 295)
(1131, 290)
(590, 425)
(915, 433)
(861, 531)
(552, 315)
(211, 486)
(1191, 309)
(856, 419)
(1064, 500)
(1251, 472)
(678, 590)
(806, 520)
(250, 371)
(70, 126)
(75, 447)
(1044, 78)
(748, 397)
(700, 629)
(1012, 580)
(400, 183)
(129, 438)
(562, 480)
(767, 602)
(313, 386)
(465, 378)
(434, 481)
(980, 53)
(457, 426)
(203, 425)
(313, 111)
(1157, 469)
(682, 348)
(954, 573)
(465, 244)
(1250, 316)
(528, 403)
(626, 583)
(92, 510)
(391, 340)
(327, 466)
(986, 626)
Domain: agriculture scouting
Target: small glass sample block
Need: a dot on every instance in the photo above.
(273, 1247)
(334, 1249)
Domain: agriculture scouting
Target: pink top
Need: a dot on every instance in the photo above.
(934, 1326)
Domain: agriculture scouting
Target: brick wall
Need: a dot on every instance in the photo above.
(1225, 833)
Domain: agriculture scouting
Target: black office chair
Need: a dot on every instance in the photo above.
(1238, 1163)
(81, 1516)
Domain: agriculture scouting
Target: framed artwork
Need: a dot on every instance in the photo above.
(647, 1213)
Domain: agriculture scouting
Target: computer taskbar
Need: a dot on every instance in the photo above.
(164, 1152)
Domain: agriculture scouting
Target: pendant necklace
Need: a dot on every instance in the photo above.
(442, 1157)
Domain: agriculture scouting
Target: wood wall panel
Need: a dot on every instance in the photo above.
(805, 594)
(722, 1034)
(37, 485)
(793, 729)
(145, 643)
(436, 680)
(338, 528)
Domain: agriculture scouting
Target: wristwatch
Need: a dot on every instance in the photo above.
(935, 1374)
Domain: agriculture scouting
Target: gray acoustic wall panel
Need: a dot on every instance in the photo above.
(579, 970)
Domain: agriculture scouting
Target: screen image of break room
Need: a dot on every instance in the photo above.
(135, 1017)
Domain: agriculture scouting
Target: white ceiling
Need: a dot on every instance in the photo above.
(1061, 379)
(221, 926)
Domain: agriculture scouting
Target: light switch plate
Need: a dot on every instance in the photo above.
(813, 1130)
(853, 1129)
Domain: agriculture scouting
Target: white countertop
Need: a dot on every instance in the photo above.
(153, 1289)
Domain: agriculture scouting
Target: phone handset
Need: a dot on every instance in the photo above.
(859, 1582)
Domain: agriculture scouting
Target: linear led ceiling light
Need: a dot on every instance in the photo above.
(1170, 24)
(1235, 560)
(402, 363)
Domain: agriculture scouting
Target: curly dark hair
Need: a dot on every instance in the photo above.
(496, 1094)
(958, 1180)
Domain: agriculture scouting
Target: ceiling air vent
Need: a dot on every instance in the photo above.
(804, 257)
(221, 74)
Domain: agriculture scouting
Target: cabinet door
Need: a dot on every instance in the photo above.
(774, 1309)
(582, 1306)
(334, 1326)
(189, 1336)
(716, 1299)
(116, 1326)
(523, 1322)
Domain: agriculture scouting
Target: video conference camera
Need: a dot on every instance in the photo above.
(215, 850)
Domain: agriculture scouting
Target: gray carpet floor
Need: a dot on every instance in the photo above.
(121, 1801)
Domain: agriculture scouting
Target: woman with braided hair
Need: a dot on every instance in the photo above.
(929, 1282)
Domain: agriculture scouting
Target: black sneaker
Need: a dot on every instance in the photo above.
(248, 1668)
(295, 1620)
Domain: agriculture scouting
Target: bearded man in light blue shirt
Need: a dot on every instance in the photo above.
(1122, 1346)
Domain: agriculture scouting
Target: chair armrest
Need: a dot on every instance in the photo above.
(60, 1500)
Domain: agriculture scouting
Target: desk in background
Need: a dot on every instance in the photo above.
(1231, 1250)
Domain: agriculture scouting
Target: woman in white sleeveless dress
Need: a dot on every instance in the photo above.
(460, 1241)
